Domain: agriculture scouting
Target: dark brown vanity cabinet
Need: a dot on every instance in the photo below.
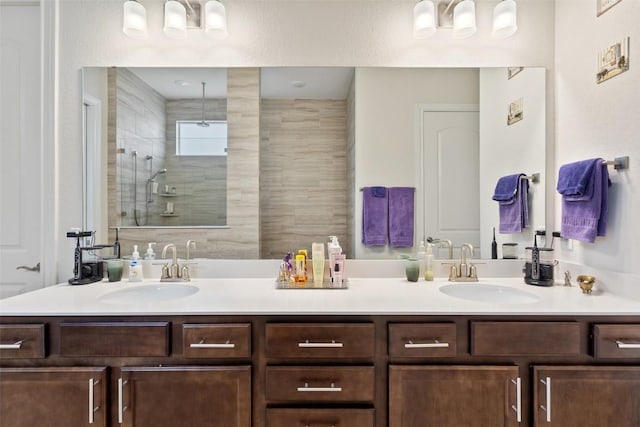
(317, 371)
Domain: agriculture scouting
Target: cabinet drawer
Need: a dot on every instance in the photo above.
(616, 341)
(286, 384)
(422, 340)
(216, 340)
(114, 339)
(525, 338)
(281, 417)
(22, 341)
(320, 340)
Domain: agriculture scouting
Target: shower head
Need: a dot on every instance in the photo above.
(157, 173)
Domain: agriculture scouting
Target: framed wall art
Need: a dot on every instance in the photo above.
(613, 60)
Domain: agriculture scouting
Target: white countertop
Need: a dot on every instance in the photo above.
(365, 296)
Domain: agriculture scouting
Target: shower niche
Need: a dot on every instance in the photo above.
(168, 150)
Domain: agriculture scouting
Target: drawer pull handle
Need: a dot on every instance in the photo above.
(121, 407)
(332, 344)
(518, 406)
(434, 344)
(547, 408)
(623, 345)
(15, 346)
(92, 408)
(333, 388)
(202, 344)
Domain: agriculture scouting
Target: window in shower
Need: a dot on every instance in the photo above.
(193, 138)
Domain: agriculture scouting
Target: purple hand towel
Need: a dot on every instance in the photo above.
(575, 179)
(374, 216)
(514, 214)
(506, 188)
(401, 209)
(584, 218)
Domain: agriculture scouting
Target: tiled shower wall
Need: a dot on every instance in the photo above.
(303, 174)
(136, 125)
(200, 181)
(240, 238)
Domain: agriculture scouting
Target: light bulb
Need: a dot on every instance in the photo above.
(464, 19)
(134, 20)
(424, 19)
(215, 20)
(175, 20)
(504, 19)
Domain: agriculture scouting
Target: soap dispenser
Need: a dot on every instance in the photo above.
(150, 254)
(333, 249)
(135, 267)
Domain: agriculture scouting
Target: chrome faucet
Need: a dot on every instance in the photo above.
(172, 273)
(464, 272)
(442, 243)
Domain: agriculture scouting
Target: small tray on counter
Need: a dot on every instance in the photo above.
(310, 285)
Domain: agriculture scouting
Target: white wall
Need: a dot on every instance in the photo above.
(262, 33)
(600, 120)
(505, 150)
(386, 101)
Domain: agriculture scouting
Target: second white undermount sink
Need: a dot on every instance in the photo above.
(149, 293)
(489, 293)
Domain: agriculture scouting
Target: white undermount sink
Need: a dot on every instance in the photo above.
(489, 293)
(149, 293)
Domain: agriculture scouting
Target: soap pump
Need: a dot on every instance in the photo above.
(135, 267)
(150, 254)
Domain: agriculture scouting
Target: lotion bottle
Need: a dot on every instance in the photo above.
(422, 258)
(428, 268)
(135, 267)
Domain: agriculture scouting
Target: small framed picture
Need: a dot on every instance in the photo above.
(603, 5)
(516, 112)
(512, 71)
(613, 60)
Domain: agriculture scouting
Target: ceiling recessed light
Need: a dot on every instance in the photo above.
(181, 83)
(298, 83)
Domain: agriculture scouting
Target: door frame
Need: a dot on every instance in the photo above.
(49, 22)
(419, 111)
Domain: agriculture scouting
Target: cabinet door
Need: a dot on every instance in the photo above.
(61, 397)
(215, 396)
(587, 396)
(443, 396)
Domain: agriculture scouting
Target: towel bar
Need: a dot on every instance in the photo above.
(535, 178)
(618, 163)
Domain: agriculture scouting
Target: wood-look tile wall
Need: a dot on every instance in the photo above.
(303, 174)
(200, 181)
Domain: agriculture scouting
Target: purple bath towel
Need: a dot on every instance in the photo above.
(401, 209)
(374, 216)
(514, 213)
(584, 217)
(575, 179)
(506, 188)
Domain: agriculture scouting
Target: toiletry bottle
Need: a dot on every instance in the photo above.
(494, 246)
(135, 268)
(333, 248)
(428, 267)
(150, 254)
(301, 270)
(317, 260)
(422, 257)
(337, 276)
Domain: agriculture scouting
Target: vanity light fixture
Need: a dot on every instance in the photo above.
(134, 20)
(424, 19)
(504, 19)
(175, 19)
(464, 19)
(215, 20)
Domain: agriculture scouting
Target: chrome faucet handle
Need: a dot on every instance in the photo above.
(453, 273)
(186, 277)
(165, 272)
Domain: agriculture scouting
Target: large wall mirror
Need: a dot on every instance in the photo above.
(323, 134)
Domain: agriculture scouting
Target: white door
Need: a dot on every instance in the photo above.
(450, 177)
(20, 150)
